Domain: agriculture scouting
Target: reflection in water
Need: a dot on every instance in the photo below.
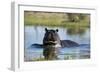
(35, 35)
(74, 31)
(50, 52)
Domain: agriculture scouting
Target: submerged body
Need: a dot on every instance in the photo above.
(68, 43)
(64, 43)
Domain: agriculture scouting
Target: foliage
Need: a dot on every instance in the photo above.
(56, 19)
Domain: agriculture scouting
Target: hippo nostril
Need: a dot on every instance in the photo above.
(50, 36)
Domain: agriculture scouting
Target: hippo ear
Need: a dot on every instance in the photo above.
(46, 29)
(57, 30)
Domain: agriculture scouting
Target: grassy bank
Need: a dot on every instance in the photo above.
(55, 19)
(68, 24)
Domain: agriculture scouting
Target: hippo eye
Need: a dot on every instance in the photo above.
(57, 30)
(54, 31)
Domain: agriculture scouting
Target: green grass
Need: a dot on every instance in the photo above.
(52, 20)
(52, 24)
(39, 59)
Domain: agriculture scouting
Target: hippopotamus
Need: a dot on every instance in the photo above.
(52, 37)
(52, 44)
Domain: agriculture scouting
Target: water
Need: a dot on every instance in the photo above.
(35, 34)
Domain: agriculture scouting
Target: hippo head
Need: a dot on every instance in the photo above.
(51, 37)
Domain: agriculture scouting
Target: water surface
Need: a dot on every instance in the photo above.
(35, 34)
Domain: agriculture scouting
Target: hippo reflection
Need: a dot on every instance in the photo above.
(50, 52)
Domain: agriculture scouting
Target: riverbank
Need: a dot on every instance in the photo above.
(56, 19)
(67, 24)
